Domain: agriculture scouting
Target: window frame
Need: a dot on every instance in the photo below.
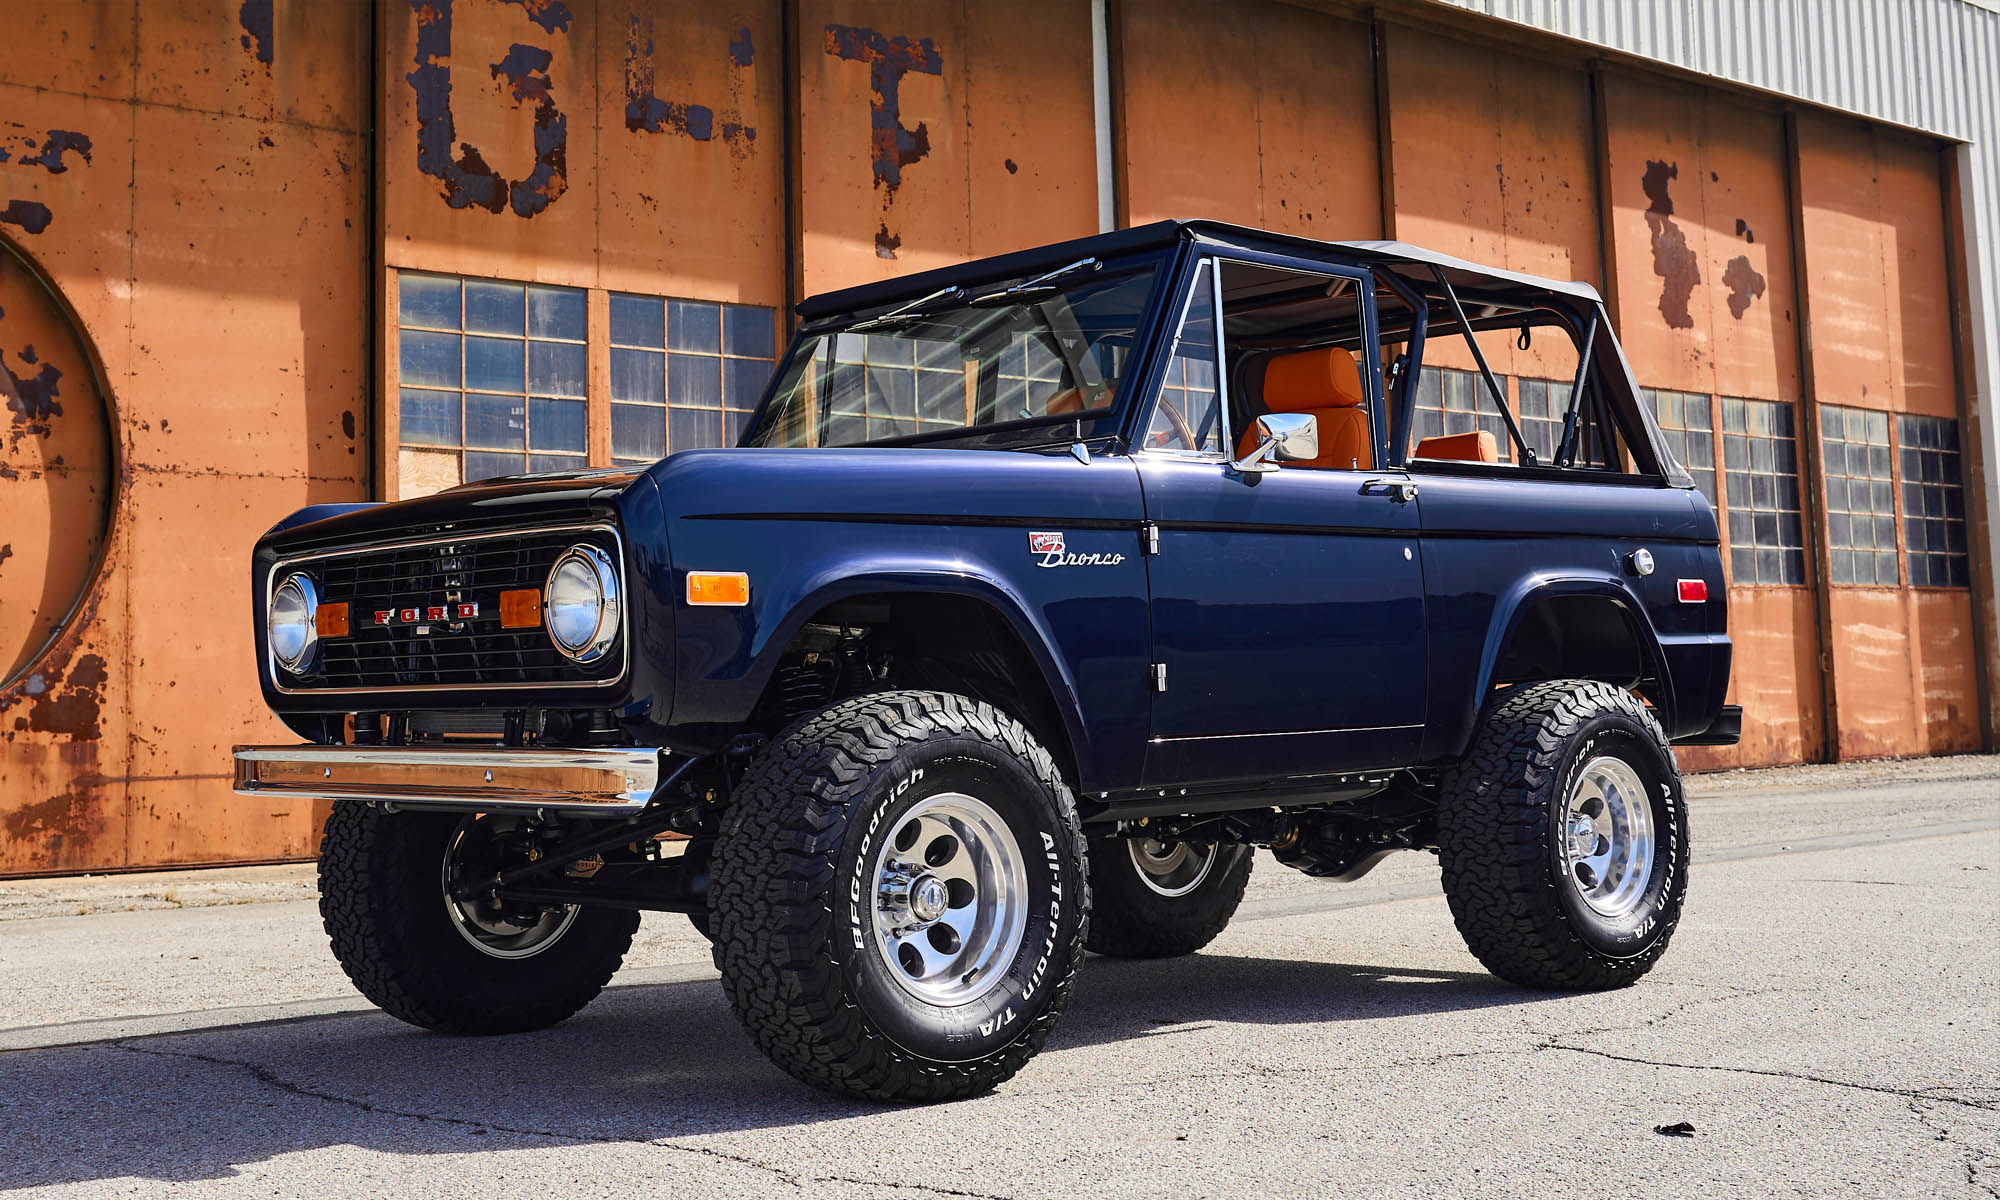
(1216, 258)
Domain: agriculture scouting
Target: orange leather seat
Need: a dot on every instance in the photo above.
(1326, 384)
(1460, 447)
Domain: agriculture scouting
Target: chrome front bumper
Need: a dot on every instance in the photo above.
(480, 779)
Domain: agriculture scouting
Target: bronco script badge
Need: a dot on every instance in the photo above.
(1050, 547)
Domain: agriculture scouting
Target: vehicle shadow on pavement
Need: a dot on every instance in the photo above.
(647, 1063)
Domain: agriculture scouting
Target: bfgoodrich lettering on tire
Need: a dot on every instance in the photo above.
(1563, 837)
(900, 896)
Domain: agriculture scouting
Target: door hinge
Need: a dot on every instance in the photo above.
(1159, 677)
(1149, 536)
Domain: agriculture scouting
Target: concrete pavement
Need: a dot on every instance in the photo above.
(1828, 1020)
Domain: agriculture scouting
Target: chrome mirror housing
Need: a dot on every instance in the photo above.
(1281, 437)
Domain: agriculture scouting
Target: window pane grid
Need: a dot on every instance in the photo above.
(684, 373)
(1450, 401)
(1860, 501)
(1687, 426)
(492, 375)
(1760, 462)
(1933, 502)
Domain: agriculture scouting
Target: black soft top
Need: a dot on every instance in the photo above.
(1162, 234)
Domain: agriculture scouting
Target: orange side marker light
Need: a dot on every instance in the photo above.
(728, 588)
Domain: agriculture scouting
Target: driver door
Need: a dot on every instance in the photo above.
(1288, 606)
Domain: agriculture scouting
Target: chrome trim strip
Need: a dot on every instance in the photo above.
(1217, 737)
(624, 638)
(453, 777)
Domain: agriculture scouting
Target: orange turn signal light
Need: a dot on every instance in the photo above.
(521, 609)
(718, 587)
(331, 620)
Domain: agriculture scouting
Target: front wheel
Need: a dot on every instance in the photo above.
(1563, 838)
(900, 896)
(456, 966)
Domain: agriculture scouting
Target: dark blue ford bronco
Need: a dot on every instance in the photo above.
(1037, 594)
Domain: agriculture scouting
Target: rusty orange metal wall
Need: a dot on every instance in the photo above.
(931, 133)
(1260, 114)
(1498, 167)
(194, 182)
(195, 339)
(1904, 664)
(1699, 225)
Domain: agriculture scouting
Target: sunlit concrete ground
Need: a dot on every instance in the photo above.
(1828, 1020)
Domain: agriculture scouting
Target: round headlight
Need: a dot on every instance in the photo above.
(580, 603)
(292, 627)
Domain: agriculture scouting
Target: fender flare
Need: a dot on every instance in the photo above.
(963, 579)
(1531, 589)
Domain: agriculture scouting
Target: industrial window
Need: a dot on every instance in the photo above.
(684, 373)
(1687, 425)
(1860, 497)
(1760, 463)
(889, 385)
(1933, 502)
(492, 378)
(1453, 401)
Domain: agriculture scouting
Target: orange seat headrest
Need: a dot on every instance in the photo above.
(1308, 379)
(1459, 447)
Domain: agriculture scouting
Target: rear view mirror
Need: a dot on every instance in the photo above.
(1281, 437)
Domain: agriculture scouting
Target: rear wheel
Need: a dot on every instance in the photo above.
(1563, 838)
(1155, 899)
(457, 966)
(899, 897)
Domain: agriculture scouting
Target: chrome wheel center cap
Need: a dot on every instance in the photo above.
(1582, 836)
(929, 898)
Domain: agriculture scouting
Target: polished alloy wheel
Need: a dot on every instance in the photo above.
(951, 904)
(483, 922)
(1607, 837)
(1171, 868)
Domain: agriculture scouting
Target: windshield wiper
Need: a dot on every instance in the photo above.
(914, 308)
(1041, 283)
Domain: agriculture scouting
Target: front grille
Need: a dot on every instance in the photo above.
(452, 653)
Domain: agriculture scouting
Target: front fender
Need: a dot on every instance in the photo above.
(727, 656)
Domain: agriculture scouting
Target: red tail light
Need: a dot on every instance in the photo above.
(1694, 591)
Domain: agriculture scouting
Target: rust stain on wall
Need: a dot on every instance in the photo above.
(892, 146)
(1673, 260)
(29, 215)
(1745, 284)
(646, 112)
(468, 181)
(258, 35)
(32, 399)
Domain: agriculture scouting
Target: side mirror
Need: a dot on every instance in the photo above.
(1281, 437)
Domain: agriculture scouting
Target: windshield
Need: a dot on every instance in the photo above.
(1048, 346)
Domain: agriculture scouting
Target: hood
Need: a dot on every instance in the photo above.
(487, 504)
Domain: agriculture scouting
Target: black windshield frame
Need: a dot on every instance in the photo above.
(1062, 428)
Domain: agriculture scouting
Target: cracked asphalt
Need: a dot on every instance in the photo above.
(1827, 1020)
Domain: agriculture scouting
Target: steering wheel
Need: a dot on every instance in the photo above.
(1160, 439)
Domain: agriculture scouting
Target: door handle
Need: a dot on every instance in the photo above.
(1402, 491)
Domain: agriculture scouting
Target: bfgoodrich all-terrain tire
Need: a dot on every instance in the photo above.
(1563, 837)
(455, 969)
(1152, 899)
(899, 898)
